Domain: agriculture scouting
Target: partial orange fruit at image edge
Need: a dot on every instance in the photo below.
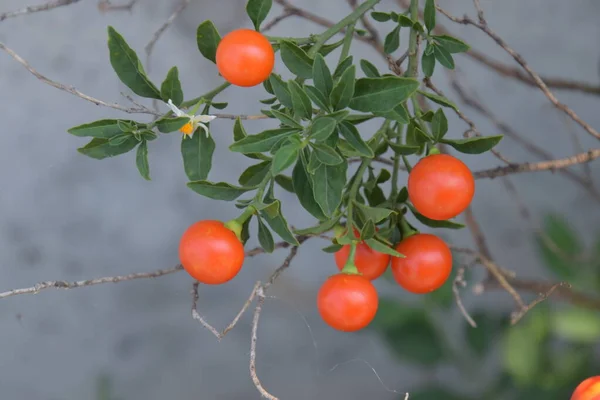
(589, 389)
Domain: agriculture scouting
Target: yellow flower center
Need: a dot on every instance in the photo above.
(187, 129)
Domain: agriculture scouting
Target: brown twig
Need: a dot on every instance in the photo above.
(373, 37)
(150, 46)
(284, 15)
(33, 9)
(517, 315)
(106, 5)
(483, 26)
(459, 280)
(477, 233)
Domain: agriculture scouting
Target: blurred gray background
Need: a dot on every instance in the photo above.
(64, 216)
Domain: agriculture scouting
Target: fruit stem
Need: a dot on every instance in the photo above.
(350, 267)
(354, 192)
(349, 19)
(237, 224)
(433, 150)
(405, 229)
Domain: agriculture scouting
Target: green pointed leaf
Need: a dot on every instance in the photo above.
(380, 16)
(435, 223)
(264, 237)
(375, 214)
(258, 10)
(296, 60)
(392, 40)
(476, 145)
(326, 154)
(284, 158)
(278, 223)
(269, 100)
(428, 116)
(286, 119)
(442, 101)
(317, 97)
(351, 134)
(428, 64)
(369, 69)
(398, 114)
(342, 67)
(334, 248)
(141, 160)
(323, 227)
(404, 149)
(197, 152)
(171, 88)
(304, 189)
(285, 182)
(100, 148)
(342, 92)
(382, 248)
(300, 101)
(119, 140)
(239, 132)
(429, 15)
(443, 57)
(254, 174)
(207, 39)
(340, 115)
(167, 125)
(218, 190)
(262, 142)
(281, 90)
(328, 48)
(382, 94)
(410, 333)
(322, 128)
(405, 21)
(104, 128)
(439, 124)
(128, 67)
(246, 231)
(322, 76)
(452, 44)
(402, 196)
(368, 230)
(328, 183)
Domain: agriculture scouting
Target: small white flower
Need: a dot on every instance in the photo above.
(196, 121)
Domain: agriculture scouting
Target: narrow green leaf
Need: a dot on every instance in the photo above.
(128, 67)
(429, 15)
(279, 224)
(380, 16)
(382, 247)
(368, 230)
(304, 189)
(269, 101)
(382, 94)
(322, 128)
(262, 142)
(119, 139)
(171, 88)
(286, 119)
(208, 38)
(197, 152)
(141, 160)
(452, 44)
(402, 196)
(167, 125)
(300, 101)
(342, 92)
(254, 174)
(369, 69)
(100, 148)
(375, 214)
(296, 60)
(334, 248)
(285, 182)
(313, 163)
(439, 124)
(442, 101)
(405, 21)
(398, 114)
(326, 154)
(435, 223)
(264, 237)
(317, 97)
(392, 40)
(218, 190)
(322, 76)
(428, 116)
(323, 227)
(342, 67)
(351, 134)
(238, 130)
(267, 85)
(443, 56)
(476, 145)
(104, 128)
(339, 115)
(281, 90)
(328, 183)
(284, 158)
(428, 64)
(258, 10)
(404, 149)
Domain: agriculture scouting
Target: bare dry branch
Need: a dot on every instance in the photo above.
(517, 315)
(483, 26)
(287, 12)
(459, 280)
(150, 46)
(33, 9)
(253, 340)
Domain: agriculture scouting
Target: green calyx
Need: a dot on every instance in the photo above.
(236, 225)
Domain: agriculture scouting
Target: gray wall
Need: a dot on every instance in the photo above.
(68, 217)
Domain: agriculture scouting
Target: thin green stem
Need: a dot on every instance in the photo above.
(395, 173)
(262, 186)
(351, 18)
(208, 95)
(350, 266)
(354, 192)
(299, 41)
(413, 59)
(347, 42)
